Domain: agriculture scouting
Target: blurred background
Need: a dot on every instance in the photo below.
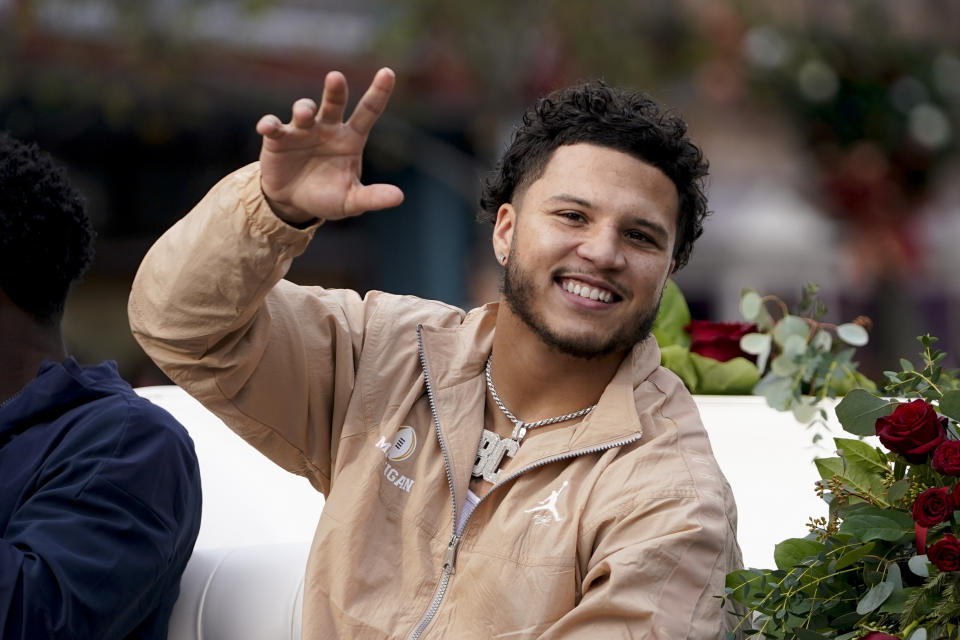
(831, 128)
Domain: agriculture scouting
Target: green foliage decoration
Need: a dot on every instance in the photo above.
(863, 567)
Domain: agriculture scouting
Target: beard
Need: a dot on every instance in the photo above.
(519, 292)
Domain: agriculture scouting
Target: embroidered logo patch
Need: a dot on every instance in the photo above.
(404, 444)
(549, 508)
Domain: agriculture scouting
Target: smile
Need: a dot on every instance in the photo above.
(587, 291)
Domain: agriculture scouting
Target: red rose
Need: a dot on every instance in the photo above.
(931, 507)
(913, 430)
(945, 553)
(946, 459)
(718, 340)
(879, 635)
(955, 496)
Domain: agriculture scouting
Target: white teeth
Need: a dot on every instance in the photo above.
(585, 291)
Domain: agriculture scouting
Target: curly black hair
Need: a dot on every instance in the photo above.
(598, 114)
(46, 239)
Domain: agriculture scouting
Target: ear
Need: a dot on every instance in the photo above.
(503, 229)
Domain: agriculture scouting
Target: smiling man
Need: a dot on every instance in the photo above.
(523, 470)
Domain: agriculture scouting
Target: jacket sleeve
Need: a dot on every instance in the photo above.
(96, 551)
(654, 573)
(654, 556)
(275, 361)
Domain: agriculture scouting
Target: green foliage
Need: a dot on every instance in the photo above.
(859, 570)
(809, 360)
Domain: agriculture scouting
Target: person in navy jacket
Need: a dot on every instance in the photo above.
(99, 489)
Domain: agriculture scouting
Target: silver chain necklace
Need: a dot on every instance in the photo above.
(492, 448)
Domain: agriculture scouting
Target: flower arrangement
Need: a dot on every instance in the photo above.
(793, 359)
(884, 563)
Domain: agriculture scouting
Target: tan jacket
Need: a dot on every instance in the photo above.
(621, 526)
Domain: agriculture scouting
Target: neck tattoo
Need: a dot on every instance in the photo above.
(492, 448)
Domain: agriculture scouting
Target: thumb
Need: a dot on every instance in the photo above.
(372, 197)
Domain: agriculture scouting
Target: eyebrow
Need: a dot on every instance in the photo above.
(655, 227)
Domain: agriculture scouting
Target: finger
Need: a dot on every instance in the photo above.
(334, 101)
(372, 197)
(270, 126)
(373, 102)
(303, 110)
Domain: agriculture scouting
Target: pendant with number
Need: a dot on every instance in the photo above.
(490, 454)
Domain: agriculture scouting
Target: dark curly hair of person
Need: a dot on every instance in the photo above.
(46, 239)
(598, 114)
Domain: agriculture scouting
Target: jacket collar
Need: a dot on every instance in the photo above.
(57, 388)
(456, 356)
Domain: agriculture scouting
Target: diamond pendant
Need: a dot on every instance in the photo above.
(490, 455)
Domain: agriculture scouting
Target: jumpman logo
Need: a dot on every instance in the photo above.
(548, 504)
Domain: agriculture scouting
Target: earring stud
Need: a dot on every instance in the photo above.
(502, 258)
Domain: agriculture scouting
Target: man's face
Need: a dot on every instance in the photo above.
(590, 246)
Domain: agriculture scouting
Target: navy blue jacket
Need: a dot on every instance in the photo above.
(99, 508)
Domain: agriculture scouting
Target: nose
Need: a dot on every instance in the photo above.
(602, 247)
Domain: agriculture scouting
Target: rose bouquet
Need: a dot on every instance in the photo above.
(884, 563)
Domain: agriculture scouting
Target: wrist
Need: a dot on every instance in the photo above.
(291, 215)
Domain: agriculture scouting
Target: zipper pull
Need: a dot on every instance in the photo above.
(450, 557)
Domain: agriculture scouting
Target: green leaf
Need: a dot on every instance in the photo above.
(784, 366)
(806, 634)
(919, 634)
(898, 490)
(859, 410)
(873, 523)
(790, 326)
(874, 598)
(750, 305)
(822, 341)
(793, 551)
(862, 455)
(677, 359)
(853, 334)
(778, 391)
(757, 344)
(672, 317)
(918, 566)
(736, 376)
(950, 404)
(906, 365)
(852, 556)
(829, 467)
(805, 410)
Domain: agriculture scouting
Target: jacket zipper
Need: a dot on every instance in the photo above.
(453, 547)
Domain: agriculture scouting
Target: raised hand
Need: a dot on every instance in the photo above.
(310, 167)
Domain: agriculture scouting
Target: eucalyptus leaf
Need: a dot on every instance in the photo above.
(805, 410)
(757, 344)
(750, 305)
(794, 346)
(853, 334)
(859, 410)
(790, 326)
(822, 340)
(784, 365)
(919, 634)
(950, 404)
(906, 365)
(777, 390)
(874, 598)
(806, 634)
(918, 566)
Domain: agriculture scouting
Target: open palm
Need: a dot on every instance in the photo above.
(310, 166)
